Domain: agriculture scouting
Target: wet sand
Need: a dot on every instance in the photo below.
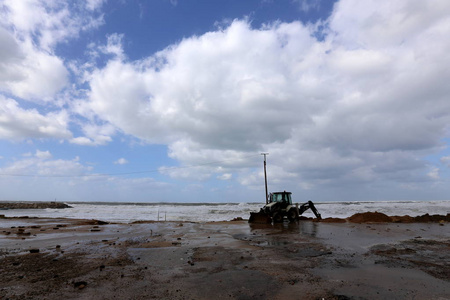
(80, 259)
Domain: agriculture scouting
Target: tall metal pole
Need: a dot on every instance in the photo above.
(265, 176)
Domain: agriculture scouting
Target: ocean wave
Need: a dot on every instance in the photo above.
(204, 212)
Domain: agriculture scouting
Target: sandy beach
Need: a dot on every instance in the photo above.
(87, 259)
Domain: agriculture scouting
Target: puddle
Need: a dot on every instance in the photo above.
(164, 257)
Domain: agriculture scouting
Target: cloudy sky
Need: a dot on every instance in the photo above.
(174, 100)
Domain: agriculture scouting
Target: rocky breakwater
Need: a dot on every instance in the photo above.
(32, 205)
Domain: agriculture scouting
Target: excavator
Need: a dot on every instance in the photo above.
(279, 205)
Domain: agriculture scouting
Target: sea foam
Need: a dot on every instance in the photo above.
(206, 212)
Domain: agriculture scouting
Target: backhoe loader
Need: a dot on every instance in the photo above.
(279, 205)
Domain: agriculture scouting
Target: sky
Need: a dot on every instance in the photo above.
(175, 100)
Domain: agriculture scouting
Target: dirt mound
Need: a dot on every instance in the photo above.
(433, 218)
(426, 218)
(376, 217)
(403, 219)
(369, 217)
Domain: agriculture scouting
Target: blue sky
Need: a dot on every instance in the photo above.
(175, 100)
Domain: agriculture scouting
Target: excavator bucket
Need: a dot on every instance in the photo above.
(259, 217)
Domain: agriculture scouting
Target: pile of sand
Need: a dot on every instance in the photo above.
(377, 217)
(369, 217)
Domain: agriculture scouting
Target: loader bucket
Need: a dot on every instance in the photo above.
(259, 217)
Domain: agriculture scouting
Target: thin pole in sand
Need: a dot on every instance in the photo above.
(158, 215)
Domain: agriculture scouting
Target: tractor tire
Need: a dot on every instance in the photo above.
(292, 215)
(277, 217)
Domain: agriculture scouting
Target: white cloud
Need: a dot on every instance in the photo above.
(114, 45)
(95, 135)
(364, 104)
(83, 141)
(18, 124)
(307, 5)
(71, 180)
(187, 173)
(49, 22)
(94, 4)
(361, 105)
(170, 103)
(43, 154)
(387, 25)
(225, 176)
(42, 164)
(445, 160)
(27, 72)
(30, 70)
(434, 173)
(29, 32)
(121, 161)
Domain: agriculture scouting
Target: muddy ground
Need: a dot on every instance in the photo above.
(76, 259)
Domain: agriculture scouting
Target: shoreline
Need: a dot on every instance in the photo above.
(366, 217)
(44, 258)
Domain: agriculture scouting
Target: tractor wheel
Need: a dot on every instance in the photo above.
(292, 215)
(277, 217)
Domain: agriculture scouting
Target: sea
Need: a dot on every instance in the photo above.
(206, 212)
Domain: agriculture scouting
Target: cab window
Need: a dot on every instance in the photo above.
(278, 198)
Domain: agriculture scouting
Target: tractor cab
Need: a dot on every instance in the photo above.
(284, 198)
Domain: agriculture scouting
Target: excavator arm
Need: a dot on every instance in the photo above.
(309, 205)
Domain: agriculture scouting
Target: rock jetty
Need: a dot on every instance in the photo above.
(32, 205)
